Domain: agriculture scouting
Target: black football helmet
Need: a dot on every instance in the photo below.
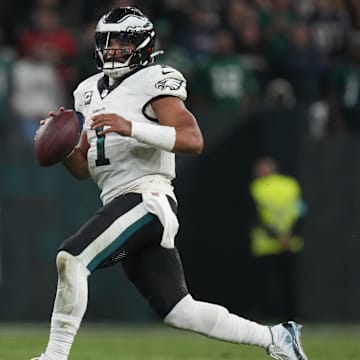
(126, 25)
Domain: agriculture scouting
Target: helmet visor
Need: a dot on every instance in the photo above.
(104, 40)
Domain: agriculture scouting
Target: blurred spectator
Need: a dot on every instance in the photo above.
(269, 36)
(223, 80)
(303, 8)
(178, 14)
(275, 239)
(303, 65)
(238, 13)
(47, 4)
(353, 9)
(344, 91)
(329, 26)
(174, 54)
(84, 66)
(264, 12)
(199, 36)
(37, 89)
(250, 46)
(276, 30)
(7, 56)
(47, 32)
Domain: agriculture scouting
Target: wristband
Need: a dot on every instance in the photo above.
(160, 136)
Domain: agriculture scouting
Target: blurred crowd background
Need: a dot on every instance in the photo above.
(279, 78)
(236, 54)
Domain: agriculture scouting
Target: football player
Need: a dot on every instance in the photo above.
(136, 121)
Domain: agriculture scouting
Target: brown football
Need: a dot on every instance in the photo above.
(58, 137)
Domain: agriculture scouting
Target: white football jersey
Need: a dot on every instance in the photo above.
(121, 164)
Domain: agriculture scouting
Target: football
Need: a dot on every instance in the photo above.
(58, 136)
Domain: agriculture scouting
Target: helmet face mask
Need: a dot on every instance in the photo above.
(124, 40)
(115, 47)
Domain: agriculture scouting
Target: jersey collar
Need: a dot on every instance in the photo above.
(103, 83)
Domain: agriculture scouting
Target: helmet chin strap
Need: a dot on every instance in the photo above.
(117, 69)
(157, 53)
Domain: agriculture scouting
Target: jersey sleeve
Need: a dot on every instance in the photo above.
(78, 100)
(164, 81)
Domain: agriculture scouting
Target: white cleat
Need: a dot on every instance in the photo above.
(286, 342)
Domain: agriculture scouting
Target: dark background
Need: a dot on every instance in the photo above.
(40, 207)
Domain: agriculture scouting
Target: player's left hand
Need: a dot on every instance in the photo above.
(113, 123)
(42, 121)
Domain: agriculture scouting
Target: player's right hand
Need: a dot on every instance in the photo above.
(111, 123)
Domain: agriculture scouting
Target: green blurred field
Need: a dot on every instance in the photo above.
(104, 342)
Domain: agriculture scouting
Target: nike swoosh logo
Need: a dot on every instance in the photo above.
(164, 72)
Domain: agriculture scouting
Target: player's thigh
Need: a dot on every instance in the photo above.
(158, 274)
(115, 231)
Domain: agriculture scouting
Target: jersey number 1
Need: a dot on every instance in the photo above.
(100, 145)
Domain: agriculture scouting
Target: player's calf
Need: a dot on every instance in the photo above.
(215, 321)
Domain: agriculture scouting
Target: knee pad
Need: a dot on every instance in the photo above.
(66, 263)
(71, 296)
(61, 261)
